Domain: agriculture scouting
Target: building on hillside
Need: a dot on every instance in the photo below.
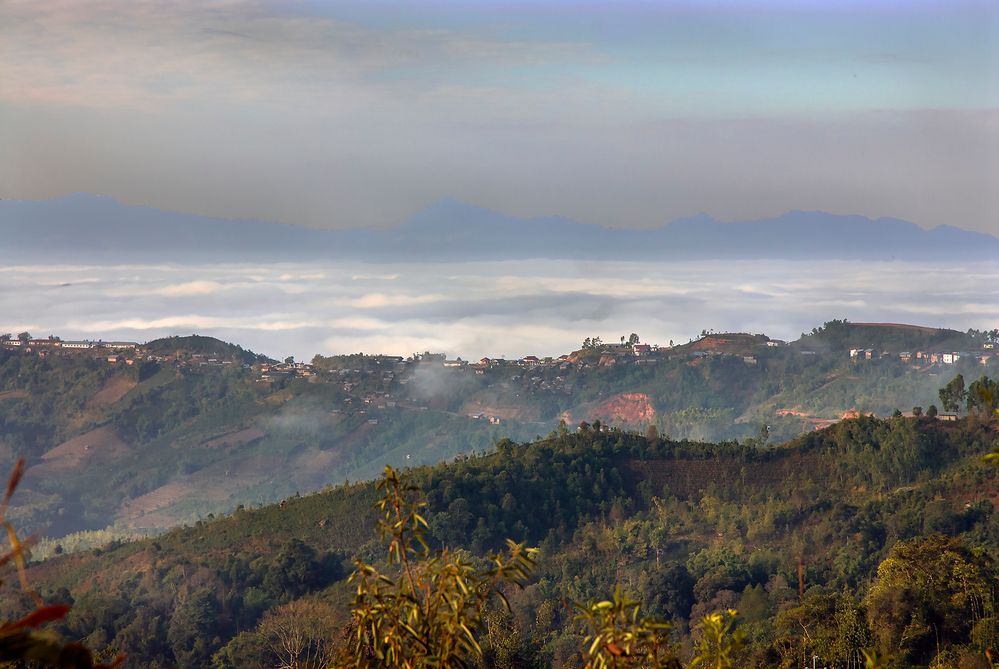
(905, 356)
(119, 345)
(641, 350)
(530, 361)
(774, 343)
(456, 363)
(39, 343)
(79, 345)
(749, 359)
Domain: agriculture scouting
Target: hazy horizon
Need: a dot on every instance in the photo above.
(343, 114)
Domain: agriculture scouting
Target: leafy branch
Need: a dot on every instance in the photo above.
(22, 640)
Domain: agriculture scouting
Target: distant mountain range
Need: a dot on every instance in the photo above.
(94, 228)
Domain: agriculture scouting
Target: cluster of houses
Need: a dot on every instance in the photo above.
(285, 370)
(492, 420)
(608, 355)
(115, 351)
(925, 357)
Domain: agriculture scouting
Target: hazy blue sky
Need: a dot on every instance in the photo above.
(341, 114)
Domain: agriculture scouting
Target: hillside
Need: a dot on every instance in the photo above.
(188, 426)
(688, 527)
(207, 347)
(843, 335)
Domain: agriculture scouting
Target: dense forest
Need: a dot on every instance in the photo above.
(872, 535)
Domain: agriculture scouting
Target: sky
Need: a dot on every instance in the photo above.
(627, 114)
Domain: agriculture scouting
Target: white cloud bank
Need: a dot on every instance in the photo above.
(506, 309)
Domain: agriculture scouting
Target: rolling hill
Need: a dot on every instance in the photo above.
(791, 536)
(197, 426)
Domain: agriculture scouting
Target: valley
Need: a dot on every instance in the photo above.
(150, 436)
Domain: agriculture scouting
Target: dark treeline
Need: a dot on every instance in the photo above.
(889, 523)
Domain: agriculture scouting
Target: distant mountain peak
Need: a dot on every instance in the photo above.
(453, 230)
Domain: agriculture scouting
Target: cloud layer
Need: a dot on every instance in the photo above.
(506, 309)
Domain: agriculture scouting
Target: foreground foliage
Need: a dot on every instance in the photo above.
(686, 528)
(431, 613)
(428, 614)
(22, 640)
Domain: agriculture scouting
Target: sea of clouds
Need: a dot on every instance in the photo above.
(495, 309)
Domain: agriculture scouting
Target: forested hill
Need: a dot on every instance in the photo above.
(127, 441)
(206, 347)
(689, 528)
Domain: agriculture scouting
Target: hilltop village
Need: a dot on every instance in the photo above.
(191, 425)
(370, 384)
(593, 353)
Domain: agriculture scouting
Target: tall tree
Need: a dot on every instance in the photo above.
(929, 594)
(193, 628)
(983, 396)
(953, 395)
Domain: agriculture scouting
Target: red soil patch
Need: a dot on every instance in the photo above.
(735, 343)
(162, 497)
(13, 394)
(114, 389)
(100, 444)
(212, 486)
(628, 408)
